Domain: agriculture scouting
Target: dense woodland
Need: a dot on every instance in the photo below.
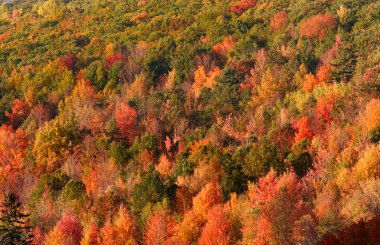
(191, 121)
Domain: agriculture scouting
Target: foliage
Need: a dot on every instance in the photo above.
(54, 140)
(318, 26)
(192, 122)
(150, 190)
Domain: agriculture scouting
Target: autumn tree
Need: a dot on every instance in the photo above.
(90, 235)
(126, 121)
(323, 73)
(270, 88)
(121, 231)
(364, 203)
(202, 79)
(68, 61)
(279, 21)
(224, 47)
(242, 5)
(318, 26)
(40, 114)
(160, 228)
(372, 114)
(165, 166)
(113, 59)
(20, 111)
(54, 140)
(325, 106)
(303, 129)
(67, 231)
(191, 227)
(280, 204)
(13, 145)
(310, 82)
(218, 228)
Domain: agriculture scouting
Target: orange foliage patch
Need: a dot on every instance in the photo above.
(160, 228)
(304, 130)
(200, 143)
(218, 228)
(224, 47)
(318, 26)
(203, 80)
(279, 21)
(372, 114)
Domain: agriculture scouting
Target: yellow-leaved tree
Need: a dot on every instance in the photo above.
(54, 140)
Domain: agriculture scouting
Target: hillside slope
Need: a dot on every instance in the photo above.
(192, 121)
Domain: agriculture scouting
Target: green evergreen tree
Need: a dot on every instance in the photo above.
(344, 64)
(13, 230)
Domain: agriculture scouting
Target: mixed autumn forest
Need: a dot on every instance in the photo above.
(210, 122)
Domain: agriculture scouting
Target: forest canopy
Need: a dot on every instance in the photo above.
(191, 121)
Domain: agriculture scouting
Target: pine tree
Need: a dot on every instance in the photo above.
(13, 230)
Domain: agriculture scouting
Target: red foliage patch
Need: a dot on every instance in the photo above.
(126, 121)
(325, 106)
(242, 6)
(20, 111)
(68, 61)
(112, 60)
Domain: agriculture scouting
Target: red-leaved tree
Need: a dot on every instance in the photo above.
(242, 5)
(20, 111)
(126, 121)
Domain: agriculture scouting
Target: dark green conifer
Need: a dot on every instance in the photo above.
(13, 230)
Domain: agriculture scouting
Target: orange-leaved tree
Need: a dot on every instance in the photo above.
(318, 26)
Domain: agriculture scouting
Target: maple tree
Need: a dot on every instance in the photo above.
(112, 60)
(224, 47)
(325, 106)
(20, 111)
(68, 61)
(217, 229)
(279, 20)
(12, 148)
(160, 228)
(372, 114)
(126, 120)
(191, 226)
(242, 5)
(121, 231)
(67, 231)
(304, 130)
(318, 26)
